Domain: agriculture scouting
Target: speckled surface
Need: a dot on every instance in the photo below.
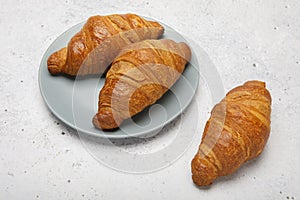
(43, 159)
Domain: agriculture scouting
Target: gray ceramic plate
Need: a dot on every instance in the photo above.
(74, 102)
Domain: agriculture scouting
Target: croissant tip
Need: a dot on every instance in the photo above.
(203, 172)
(96, 122)
(105, 121)
(200, 182)
(54, 69)
(57, 61)
(256, 82)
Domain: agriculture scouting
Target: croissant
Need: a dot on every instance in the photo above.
(100, 40)
(138, 77)
(236, 132)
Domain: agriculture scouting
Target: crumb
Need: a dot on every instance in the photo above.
(69, 181)
(10, 174)
(63, 133)
(21, 81)
(254, 65)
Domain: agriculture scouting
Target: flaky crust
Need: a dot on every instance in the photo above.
(138, 77)
(100, 40)
(236, 132)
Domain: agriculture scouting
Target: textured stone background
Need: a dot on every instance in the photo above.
(40, 158)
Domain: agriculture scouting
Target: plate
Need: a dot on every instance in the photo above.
(74, 101)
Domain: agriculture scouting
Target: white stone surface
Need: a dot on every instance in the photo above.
(244, 39)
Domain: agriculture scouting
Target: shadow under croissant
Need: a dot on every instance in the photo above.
(131, 140)
(241, 172)
(83, 77)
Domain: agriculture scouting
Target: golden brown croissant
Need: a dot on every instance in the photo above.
(236, 132)
(100, 40)
(138, 77)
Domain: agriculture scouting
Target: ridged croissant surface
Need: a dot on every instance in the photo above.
(236, 132)
(100, 40)
(138, 77)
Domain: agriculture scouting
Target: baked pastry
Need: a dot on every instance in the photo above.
(138, 77)
(100, 40)
(236, 132)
